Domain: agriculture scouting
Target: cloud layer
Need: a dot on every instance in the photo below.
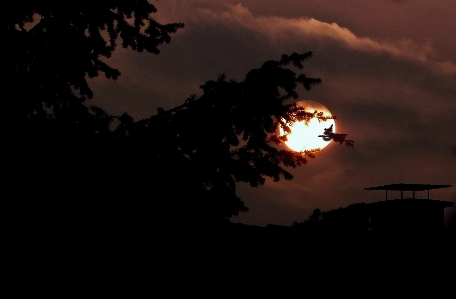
(392, 87)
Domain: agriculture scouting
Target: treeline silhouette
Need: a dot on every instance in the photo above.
(72, 164)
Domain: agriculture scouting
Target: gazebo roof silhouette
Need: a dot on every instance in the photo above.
(407, 187)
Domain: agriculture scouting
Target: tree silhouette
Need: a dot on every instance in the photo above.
(178, 166)
(66, 43)
(54, 47)
(58, 148)
(227, 135)
(312, 224)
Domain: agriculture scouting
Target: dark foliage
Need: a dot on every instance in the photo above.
(227, 135)
(59, 152)
(177, 166)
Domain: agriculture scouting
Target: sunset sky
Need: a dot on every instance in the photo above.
(388, 71)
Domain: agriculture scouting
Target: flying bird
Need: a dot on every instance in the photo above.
(328, 135)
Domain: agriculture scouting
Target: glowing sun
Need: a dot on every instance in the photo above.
(305, 136)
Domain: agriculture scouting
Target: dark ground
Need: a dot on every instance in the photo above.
(129, 260)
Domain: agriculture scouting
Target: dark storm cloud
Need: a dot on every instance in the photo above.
(391, 83)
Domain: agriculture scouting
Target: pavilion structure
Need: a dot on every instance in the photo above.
(407, 214)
